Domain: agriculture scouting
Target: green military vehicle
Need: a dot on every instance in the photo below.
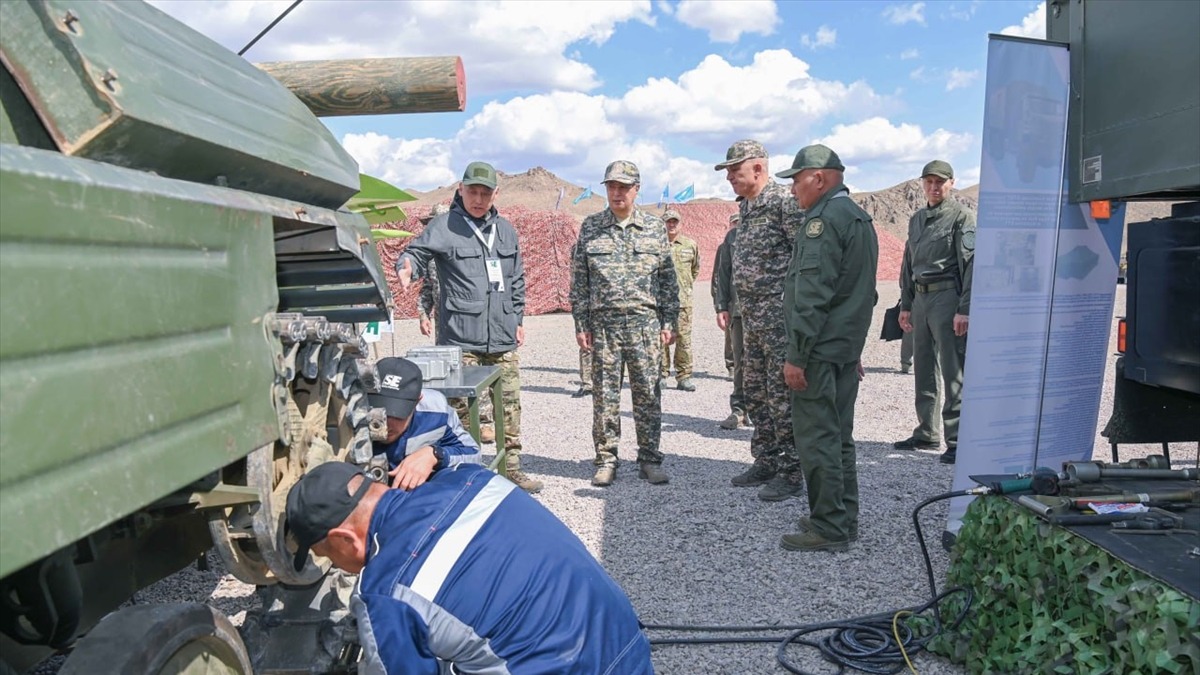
(179, 284)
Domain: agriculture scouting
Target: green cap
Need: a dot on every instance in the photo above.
(622, 171)
(740, 152)
(480, 173)
(938, 168)
(813, 157)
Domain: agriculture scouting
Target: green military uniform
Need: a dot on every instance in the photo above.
(624, 292)
(829, 296)
(686, 255)
(725, 300)
(935, 284)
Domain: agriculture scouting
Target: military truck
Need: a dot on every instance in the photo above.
(1134, 135)
(179, 287)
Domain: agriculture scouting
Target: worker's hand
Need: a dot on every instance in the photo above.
(960, 324)
(426, 325)
(794, 377)
(414, 469)
(722, 320)
(584, 340)
(666, 336)
(905, 321)
(862, 372)
(520, 335)
(404, 273)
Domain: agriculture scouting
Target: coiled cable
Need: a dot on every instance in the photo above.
(880, 643)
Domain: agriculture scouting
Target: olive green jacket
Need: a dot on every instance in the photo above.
(829, 293)
(940, 247)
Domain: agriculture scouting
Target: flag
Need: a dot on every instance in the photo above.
(665, 195)
(686, 193)
(558, 202)
(587, 192)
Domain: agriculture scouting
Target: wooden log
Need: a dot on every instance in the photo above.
(374, 86)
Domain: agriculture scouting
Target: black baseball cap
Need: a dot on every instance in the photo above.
(319, 502)
(399, 387)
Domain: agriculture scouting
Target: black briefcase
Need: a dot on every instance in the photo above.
(891, 324)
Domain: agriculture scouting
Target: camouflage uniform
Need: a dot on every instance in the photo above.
(829, 298)
(624, 292)
(767, 228)
(685, 253)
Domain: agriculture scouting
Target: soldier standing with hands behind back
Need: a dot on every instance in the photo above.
(686, 255)
(625, 301)
(769, 218)
(828, 301)
(935, 301)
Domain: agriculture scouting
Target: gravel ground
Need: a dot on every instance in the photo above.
(699, 551)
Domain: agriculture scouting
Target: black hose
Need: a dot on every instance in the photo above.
(866, 643)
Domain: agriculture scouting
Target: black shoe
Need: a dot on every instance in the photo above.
(949, 456)
(583, 391)
(911, 443)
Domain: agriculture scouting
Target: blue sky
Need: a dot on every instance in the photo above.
(668, 84)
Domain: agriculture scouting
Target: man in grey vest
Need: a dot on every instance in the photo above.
(481, 294)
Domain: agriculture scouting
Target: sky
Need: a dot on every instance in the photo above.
(667, 84)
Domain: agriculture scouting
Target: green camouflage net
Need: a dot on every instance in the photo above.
(1047, 601)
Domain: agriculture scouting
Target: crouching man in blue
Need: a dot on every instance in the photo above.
(465, 571)
(423, 431)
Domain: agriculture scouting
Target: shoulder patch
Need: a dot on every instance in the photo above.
(814, 228)
(968, 240)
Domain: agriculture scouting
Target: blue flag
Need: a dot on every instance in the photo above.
(665, 195)
(686, 193)
(587, 192)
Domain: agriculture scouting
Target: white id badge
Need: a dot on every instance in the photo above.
(494, 274)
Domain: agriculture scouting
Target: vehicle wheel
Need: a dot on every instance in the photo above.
(250, 538)
(167, 639)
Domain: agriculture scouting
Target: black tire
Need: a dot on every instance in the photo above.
(152, 639)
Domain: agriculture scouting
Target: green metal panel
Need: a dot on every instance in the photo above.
(133, 356)
(123, 83)
(1135, 111)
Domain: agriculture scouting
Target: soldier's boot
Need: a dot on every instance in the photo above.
(811, 541)
(487, 434)
(652, 472)
(949, 456)
(530, 485)
(605, 476)
(584, 390)
(686, 384)
(732, 422)
(806, 526)
(781, 487)
(758, 474)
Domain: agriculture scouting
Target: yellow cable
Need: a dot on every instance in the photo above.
(899, 643)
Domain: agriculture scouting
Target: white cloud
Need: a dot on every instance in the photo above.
(420, 162)
(908, 54)
(876, 139)
(960, 11)
(957, 79)
(826, 37)
(777, 101)
(902, 14)
(552, 128)
(727, 20)
(1032, 26)
(504, 44)
(918, 74)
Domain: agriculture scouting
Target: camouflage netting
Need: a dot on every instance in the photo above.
(1047, 601)
(548, 236)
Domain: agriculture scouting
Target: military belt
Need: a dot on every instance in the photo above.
(936, 286)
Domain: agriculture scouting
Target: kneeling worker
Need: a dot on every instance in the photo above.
(465, 571)
(424, 433)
